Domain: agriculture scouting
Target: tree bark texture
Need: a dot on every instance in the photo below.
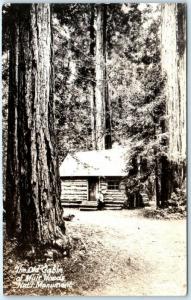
(173, 59)
(103, 119)
(12, 203)
(37, 176)
(92, 98)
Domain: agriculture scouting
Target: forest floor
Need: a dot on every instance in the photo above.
(121, 253)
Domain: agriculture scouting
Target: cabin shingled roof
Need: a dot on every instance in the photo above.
(110, 162)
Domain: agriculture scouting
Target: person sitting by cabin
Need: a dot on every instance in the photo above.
(100, 200)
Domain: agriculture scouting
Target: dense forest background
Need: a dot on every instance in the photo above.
(119, 76)
(132, 50)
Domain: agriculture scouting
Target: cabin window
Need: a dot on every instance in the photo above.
(113, 184)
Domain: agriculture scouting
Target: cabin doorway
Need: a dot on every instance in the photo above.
(92, 189)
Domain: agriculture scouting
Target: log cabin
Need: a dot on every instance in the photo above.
(85, 174)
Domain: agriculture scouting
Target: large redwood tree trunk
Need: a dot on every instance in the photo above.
(92, 88)
(103, 113)
(12, 204)
(173, 60)
(31, 108)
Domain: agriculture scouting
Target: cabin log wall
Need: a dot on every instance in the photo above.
(113, 195)
(74, 190)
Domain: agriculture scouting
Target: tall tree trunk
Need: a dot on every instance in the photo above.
(173, 59)
(38, 183)
(93, 99)
(103, 121)
(12, 203)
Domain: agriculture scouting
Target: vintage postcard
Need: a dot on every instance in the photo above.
(94, 149)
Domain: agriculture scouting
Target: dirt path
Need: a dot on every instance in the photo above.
(130, 255)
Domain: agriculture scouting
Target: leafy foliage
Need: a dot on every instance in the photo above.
(132, 69)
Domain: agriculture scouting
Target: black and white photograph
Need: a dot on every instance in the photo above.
(94, 149)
